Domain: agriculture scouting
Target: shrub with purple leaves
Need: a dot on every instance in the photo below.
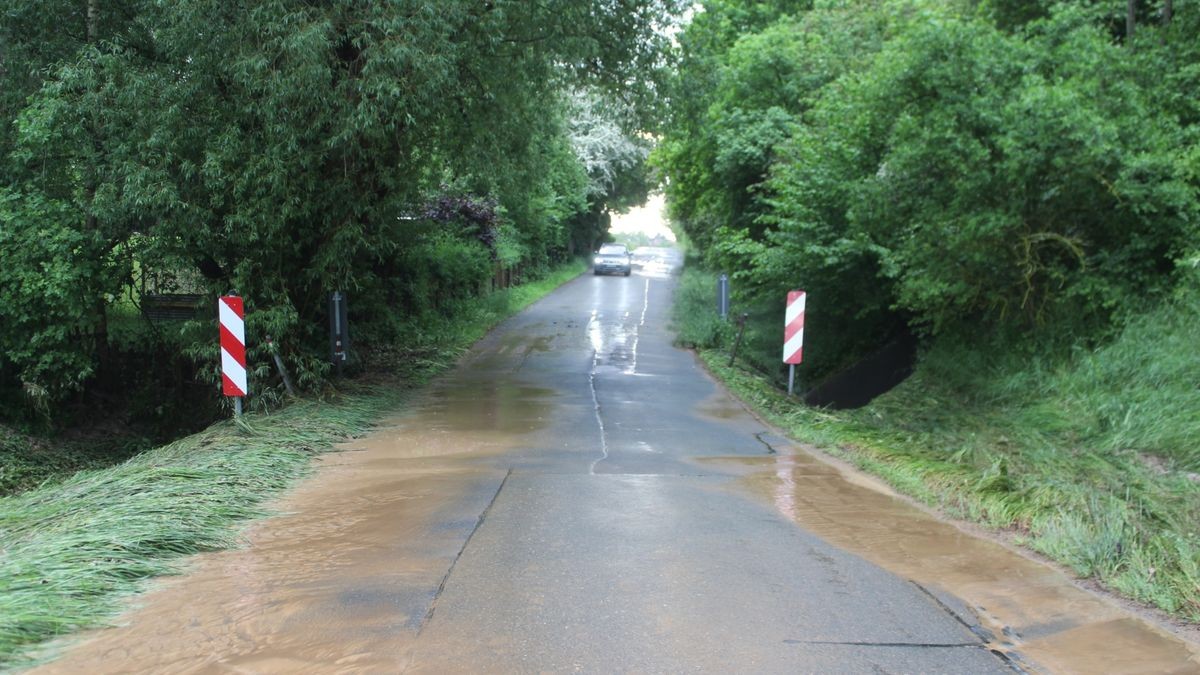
(477, 215)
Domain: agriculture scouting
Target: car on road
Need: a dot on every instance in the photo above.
(613, 259)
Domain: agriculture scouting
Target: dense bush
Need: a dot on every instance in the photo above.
(1016, 182)
(285, 149)
(962, 170)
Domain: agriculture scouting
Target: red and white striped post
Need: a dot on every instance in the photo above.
(233, 349)
(793, 334)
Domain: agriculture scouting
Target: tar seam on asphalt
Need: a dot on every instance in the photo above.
(989, 640)
(479, 523)
(1004, 658)
(770, 448)
(982, 633)
(921, 645)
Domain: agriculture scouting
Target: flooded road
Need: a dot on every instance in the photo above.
(579, 496)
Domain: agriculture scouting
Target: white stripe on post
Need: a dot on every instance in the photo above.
(234, 371)
(794, 346)
(232, 321)
(230, 312)
(793, 328)
(794, 309)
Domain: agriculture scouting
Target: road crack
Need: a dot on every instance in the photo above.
(921, 645)
(987, 638)
(770, 448)
(446, 578)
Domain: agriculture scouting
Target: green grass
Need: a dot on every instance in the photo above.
(27, 462)
(72, 549)
(1091, 459)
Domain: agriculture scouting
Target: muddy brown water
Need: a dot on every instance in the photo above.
(265, 609)
(1030, 609)
(371, 537)
(345, 578)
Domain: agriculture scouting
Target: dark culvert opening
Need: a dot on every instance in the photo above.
(874, 375)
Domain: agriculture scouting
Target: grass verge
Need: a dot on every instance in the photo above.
(1092, 460)
(27, 462)
(72, 549)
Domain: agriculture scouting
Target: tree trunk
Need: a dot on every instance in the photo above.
(1130, 21)
(101, 310)
(1168, 11)
(93, 20)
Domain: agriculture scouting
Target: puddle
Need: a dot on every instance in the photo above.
(506, 407)
(614, 336)
(472, 412)
(513, 350)
(721, 407)
(614, 342)
(343, 580)
(1032, 609)
(343, 585)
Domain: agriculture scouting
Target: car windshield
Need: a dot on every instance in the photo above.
(613, 249)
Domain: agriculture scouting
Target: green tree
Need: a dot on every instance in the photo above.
(952, 168)
(747, 74)
(284, 149)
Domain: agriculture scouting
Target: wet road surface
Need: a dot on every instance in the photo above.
(579, 496)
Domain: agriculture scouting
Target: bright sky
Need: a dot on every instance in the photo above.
(650, 219)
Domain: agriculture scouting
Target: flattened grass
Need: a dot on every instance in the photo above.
(26, 463)
(73, 548)
(1090, 459)
(70, 550)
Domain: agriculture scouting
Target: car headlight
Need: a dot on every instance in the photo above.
(596, 261)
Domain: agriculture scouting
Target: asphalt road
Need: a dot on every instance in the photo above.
(568, 499)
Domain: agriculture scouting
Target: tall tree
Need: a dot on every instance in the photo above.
(280, 149)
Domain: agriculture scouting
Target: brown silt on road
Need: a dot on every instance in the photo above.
(579, 496)
(1029, 610)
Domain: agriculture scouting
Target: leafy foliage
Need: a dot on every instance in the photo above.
(285, 149)
(479, 216)
(1017, 182)
(936, 165)
(1091, 460)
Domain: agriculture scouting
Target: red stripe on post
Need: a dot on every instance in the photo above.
(232, 328)
(793, 328)
(235, 303)
(230, 344)
(229, 388)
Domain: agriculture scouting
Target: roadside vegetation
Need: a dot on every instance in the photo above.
(75, 547)
(407, 154)
(440, 162)
(1013, 186)
(999, 173)
(1090, 459)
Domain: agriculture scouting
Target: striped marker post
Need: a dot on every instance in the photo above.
(233, 349)
(793, 334)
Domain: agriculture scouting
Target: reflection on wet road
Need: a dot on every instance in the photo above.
(579, 496)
